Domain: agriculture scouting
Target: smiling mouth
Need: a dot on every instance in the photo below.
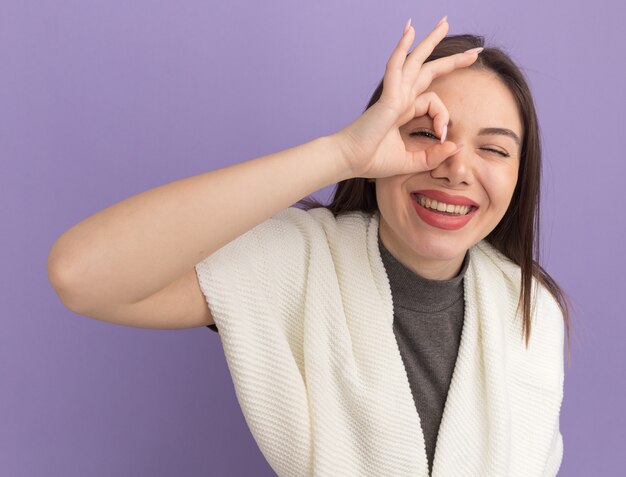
(462, 210)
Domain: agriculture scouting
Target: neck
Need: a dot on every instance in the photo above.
(431, 269)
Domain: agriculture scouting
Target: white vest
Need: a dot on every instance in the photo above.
(305, 315)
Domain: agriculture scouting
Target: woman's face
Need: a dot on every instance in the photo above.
(480, 172)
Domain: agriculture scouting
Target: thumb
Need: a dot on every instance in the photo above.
(430, 158)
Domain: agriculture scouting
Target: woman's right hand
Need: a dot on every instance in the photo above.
(372, 145)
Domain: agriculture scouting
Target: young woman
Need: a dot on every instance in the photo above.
(390, 332)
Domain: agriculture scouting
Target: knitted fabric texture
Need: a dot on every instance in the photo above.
(305, 314)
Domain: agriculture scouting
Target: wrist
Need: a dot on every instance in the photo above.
(342, 152)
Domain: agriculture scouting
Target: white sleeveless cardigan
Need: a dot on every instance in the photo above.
(305, 313)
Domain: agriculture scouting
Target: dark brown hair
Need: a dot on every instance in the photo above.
(517, 234)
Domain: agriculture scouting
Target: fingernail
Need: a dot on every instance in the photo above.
(445, 132)
(406, 27)
(441, 21)
(458, 148)
(474, 50)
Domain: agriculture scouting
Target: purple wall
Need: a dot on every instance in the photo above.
(102, 100)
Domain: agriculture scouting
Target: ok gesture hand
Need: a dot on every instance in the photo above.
(372, 145)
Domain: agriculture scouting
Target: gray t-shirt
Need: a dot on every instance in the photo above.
(428, 320)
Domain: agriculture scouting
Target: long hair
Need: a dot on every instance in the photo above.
(517, 234)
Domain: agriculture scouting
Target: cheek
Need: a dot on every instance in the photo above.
(500, 183)
(385, 194)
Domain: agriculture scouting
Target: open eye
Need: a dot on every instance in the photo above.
(431, 135)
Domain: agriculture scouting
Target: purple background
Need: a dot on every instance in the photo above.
(102, 100)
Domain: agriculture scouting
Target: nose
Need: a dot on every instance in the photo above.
(456, 169)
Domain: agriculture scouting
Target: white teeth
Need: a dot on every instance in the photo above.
(442, 207)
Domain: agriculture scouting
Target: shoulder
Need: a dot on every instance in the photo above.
(344, 220)
(492, 258)
(339, 227)
(543, 360)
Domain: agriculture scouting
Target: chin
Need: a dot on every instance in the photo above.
(441, 250)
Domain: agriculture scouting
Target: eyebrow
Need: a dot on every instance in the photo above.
(495, 132)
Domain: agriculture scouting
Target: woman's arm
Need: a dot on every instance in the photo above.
(137, 247)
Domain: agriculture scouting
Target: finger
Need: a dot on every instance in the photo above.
(430, 103)
(414, 61)
(393, 69)
(441, 66)
(427, 159)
